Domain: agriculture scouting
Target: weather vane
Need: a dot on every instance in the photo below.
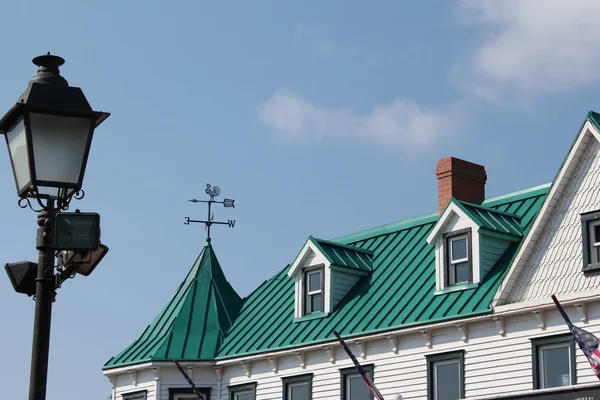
(212, 192)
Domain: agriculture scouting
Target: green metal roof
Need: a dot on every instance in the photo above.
(398, 293)
(491, 219)
(192, 325)
(594, 118)
(345, 256)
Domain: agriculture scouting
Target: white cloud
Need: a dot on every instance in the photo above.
(534, 46)
(402, 123)
(325, 47)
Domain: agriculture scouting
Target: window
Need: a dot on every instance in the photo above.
(243, 392)
(590, 228)
(353, 386)
(458, 258)
(188, 393)
(553, 361)
(445, 376)
(313, 291)
(140, 395)
(298, 387)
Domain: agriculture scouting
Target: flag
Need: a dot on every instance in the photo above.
(588, 343)
(360, 369)
(187, 378)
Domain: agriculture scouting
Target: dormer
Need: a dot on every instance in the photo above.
(469, 240)
(324, 272)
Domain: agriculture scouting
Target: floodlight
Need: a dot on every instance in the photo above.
(22, 276)
(83, 263)
(77, 231)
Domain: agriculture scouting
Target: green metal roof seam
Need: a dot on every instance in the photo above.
(399, 292)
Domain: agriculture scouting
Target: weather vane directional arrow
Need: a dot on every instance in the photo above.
(212, 192)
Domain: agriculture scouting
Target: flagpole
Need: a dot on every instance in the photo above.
(360, 369)
(561, 311)
(587, 341)
(197, 392)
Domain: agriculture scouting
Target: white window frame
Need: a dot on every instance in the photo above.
(309, 293)
(551, 342)
(435, 365)
(347, 383)
(542, 365)
(435, 360)
(450, 268)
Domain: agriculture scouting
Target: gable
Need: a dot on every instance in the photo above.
(550, 260)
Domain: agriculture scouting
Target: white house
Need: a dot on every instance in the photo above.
(453, 304)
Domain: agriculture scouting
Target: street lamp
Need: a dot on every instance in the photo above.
(48, 133)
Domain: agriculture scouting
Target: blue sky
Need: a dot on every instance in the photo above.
(319, 118)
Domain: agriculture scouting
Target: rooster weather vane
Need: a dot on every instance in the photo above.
(212, 192)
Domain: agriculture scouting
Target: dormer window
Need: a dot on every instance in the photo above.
(324, 272)
(313, 279)
(459, 267)
(469, 240)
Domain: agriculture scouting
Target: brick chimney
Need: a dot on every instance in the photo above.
(460, 179)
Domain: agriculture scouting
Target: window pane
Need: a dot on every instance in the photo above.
(244, 396)
(596, 237)
(446, 380)
(316, 303)
(462, 272)
(314, 281)
(459, 249)
(555, 367)
(298, 391)
(356, 389)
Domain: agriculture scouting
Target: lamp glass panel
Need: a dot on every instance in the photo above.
(59, 146)
(17, 146)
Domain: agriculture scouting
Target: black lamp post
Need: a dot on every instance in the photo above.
(48, 133)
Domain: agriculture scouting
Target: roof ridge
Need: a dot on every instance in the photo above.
(346, 246)
(531, 189)
(489, 209)
(594, 118)
(432, 217)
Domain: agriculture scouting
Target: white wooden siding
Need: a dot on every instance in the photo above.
(555, 262)
(341, 283)
(494, 365)
(145, 381)
(202, 377)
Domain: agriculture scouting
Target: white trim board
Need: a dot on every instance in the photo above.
(588, 132)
